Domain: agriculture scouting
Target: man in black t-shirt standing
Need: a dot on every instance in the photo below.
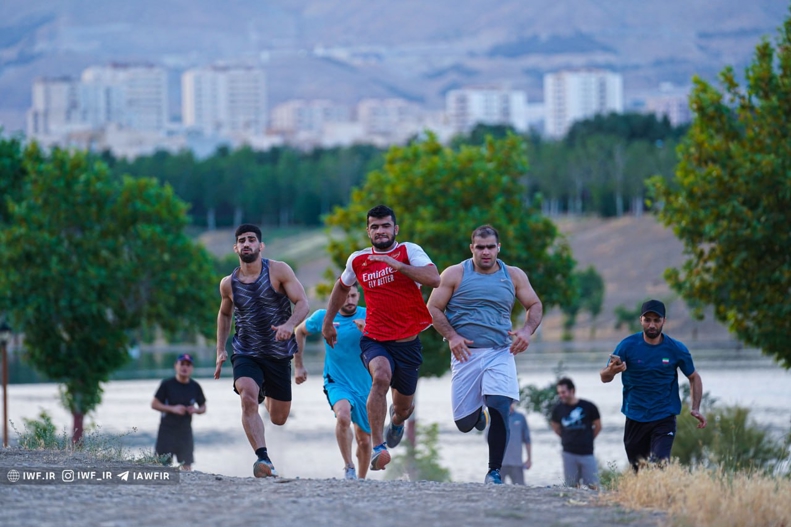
(178, 398)
(577, 422)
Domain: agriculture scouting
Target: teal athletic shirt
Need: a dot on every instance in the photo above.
(650, 382)
(342, 363)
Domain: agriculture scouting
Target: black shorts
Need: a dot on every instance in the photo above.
(651, 441)
(405, 359)
(175, 442)
(272, 375)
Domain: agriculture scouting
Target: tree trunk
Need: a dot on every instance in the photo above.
(78, 418)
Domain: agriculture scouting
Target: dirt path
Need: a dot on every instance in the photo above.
(207, 499)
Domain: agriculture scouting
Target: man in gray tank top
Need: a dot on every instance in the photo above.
(471, 308)
(259, 294)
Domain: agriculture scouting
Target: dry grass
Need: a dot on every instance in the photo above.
(701, 498)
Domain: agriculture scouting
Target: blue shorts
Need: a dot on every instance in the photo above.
(405, 359)
(336, 392)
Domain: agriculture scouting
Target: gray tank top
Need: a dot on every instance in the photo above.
(480, 308)
(256, 308)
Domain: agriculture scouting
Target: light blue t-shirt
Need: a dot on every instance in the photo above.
(650, 382)
(342, 364)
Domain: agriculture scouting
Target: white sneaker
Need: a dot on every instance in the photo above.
(350, 473)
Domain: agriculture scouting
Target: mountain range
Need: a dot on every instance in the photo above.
(348, 50)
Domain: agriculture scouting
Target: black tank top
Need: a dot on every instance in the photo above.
(256, 308)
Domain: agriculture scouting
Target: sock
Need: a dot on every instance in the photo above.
(261, 453)
(383, 446)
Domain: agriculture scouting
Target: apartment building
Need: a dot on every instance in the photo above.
(224, 100)
(571, 96)
(468, 107)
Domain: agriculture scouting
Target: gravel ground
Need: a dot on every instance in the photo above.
(209, 499)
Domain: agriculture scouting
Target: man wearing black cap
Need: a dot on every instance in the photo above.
(649, 362)
(178, 398)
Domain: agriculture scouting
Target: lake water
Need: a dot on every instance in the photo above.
(305, 446)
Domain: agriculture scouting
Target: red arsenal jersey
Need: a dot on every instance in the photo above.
(396, 309)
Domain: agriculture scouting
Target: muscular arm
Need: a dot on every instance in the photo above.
(533, 307)
(437, 303)
(223, 323)
(696, 394)
(285, 281)
(338, 296)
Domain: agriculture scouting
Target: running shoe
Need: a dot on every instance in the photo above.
(380, 458)
(483, 420)
(350, 473)
(263, 468)
(394, 433)
(493, 477)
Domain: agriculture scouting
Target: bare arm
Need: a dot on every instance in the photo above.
(338, 296)
(696, 394)
(223, 323)
(285, 280)
(424, 275)
(532, 304)
(437, 303)
(596, 427)
(159, 406)
(612, 369)
(555, 427)
(199, 410)
(529, 453)
(300, 334)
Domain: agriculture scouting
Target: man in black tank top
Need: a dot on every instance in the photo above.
(259, 294)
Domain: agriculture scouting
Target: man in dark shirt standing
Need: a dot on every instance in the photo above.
(178, 398)
(577, 422)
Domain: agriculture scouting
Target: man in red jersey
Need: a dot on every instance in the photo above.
(390, 274)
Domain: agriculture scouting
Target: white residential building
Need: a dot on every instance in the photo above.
(224, 100)
(671, 102)
(128, 96)
(56, 107)
(299, 116)
(386, 117)
(468, 107)
(571, 96)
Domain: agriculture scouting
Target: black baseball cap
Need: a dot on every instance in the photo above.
(653, 306)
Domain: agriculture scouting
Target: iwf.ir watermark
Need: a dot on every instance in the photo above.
(90, 476)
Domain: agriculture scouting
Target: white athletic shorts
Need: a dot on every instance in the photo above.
(488, 371)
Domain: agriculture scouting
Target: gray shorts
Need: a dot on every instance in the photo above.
(577, 467)
(515, 473)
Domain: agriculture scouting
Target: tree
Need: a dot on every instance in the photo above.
(590, 298)
(87, 259)
(730, 203)
(440, 195)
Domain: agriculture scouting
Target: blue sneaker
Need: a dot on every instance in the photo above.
(380, 458)
(394, 433)
(263, 468)
(493, 477)
(483, 420)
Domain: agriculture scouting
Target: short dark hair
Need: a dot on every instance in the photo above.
(381, 211)
(565, 381)
(484, 231)
(248, 227)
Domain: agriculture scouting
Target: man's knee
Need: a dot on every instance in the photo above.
(467, 423)
(363, 441)
(249, 403)
(343, 419)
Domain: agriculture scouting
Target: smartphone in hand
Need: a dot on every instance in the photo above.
(615, 358)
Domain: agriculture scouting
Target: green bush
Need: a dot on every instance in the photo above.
(420, 462)
(542, 400)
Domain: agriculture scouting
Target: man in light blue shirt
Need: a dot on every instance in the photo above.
(346, 380)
